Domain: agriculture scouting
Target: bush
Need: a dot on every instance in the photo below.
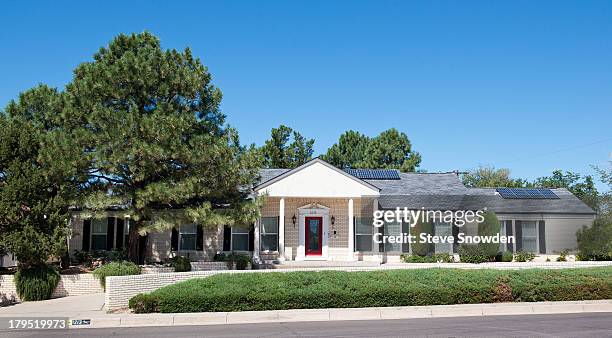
(239, 260)
(36, 282)
(507, 256)
(180, 264)
(144, 303)
(444, 258)
(473, 253)
(563, 256)
(123, 268)
(416, 259)
(595, 242)
(524, 256)
(341, 289)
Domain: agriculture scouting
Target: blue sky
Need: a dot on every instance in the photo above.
(523, 84)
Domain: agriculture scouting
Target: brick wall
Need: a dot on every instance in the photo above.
(69, 285)
(338, 207)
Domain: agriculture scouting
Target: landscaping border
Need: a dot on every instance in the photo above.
(119, 289)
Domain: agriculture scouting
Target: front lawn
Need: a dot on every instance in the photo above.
(339, 289)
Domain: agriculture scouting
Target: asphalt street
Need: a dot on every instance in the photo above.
(564, 325)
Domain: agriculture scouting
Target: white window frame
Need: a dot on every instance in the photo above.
(233, 228)
(262, 234)
(536, 237)
(92, 234)
(195, 236)
(450, 227)
(357, 233)
(385, 233)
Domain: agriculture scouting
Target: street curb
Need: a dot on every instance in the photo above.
(314, 315)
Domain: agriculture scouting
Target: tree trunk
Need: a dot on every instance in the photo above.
(133, 243)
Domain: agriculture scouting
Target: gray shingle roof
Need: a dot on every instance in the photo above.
(445, 191)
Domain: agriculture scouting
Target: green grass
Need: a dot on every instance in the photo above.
(338, 289)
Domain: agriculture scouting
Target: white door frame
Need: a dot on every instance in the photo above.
(312, 210)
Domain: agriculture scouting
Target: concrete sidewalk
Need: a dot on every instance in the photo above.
(73, 306)
(89, 307)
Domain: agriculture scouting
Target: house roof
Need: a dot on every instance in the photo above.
(282, 173)
(445, 191)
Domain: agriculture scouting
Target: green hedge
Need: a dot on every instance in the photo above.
(115, 269)
(36, 282)
(180, 264)
(339, 289)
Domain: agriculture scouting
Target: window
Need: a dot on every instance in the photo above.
(99, 228)
(443, 230)
(392, 229)
(363, 234)
(187, 237)
(502, 232)
(269, 234)
(240, 238)
(529, 236)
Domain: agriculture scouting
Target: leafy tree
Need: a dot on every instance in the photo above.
(595, 242)
(583, 187)
(349, 152)
(38, 177)
(391, 149)
(281, 151)
(151, 129)
(489, 177)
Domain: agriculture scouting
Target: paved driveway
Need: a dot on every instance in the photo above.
(59, 307)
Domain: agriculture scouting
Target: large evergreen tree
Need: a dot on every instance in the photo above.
(391, 149)
(349, 152)
(286, 148)
(39, 177)
(489, 177)
(581, 186)
(150, 126)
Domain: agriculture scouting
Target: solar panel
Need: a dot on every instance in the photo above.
(526, 193)
(374, 174)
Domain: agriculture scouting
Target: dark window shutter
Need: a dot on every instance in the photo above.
(120, 234)
(227, 238)
(518, 225)
(405, 230)
(252, 239)
(455, 237)
(508, 225)
(542, 236)
(86, 234)
(110, 232)
(174, 239)
(200, 239)
(381, 245)
(354, 234)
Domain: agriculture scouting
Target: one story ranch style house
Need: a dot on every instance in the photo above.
(323, 213)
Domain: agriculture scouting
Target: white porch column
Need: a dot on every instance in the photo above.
(351, 231)
(281, 230)
(256, 240)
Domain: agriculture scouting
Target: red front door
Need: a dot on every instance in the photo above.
(314, 236)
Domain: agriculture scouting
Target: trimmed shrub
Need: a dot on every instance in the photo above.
(123, 268)
(36, 282)
(406, 258)
(144, 303)
(524, 256)
(238, 260)
(180, 264)
(473, 253)
(341, 289)
(507, 256)
(489, 227)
